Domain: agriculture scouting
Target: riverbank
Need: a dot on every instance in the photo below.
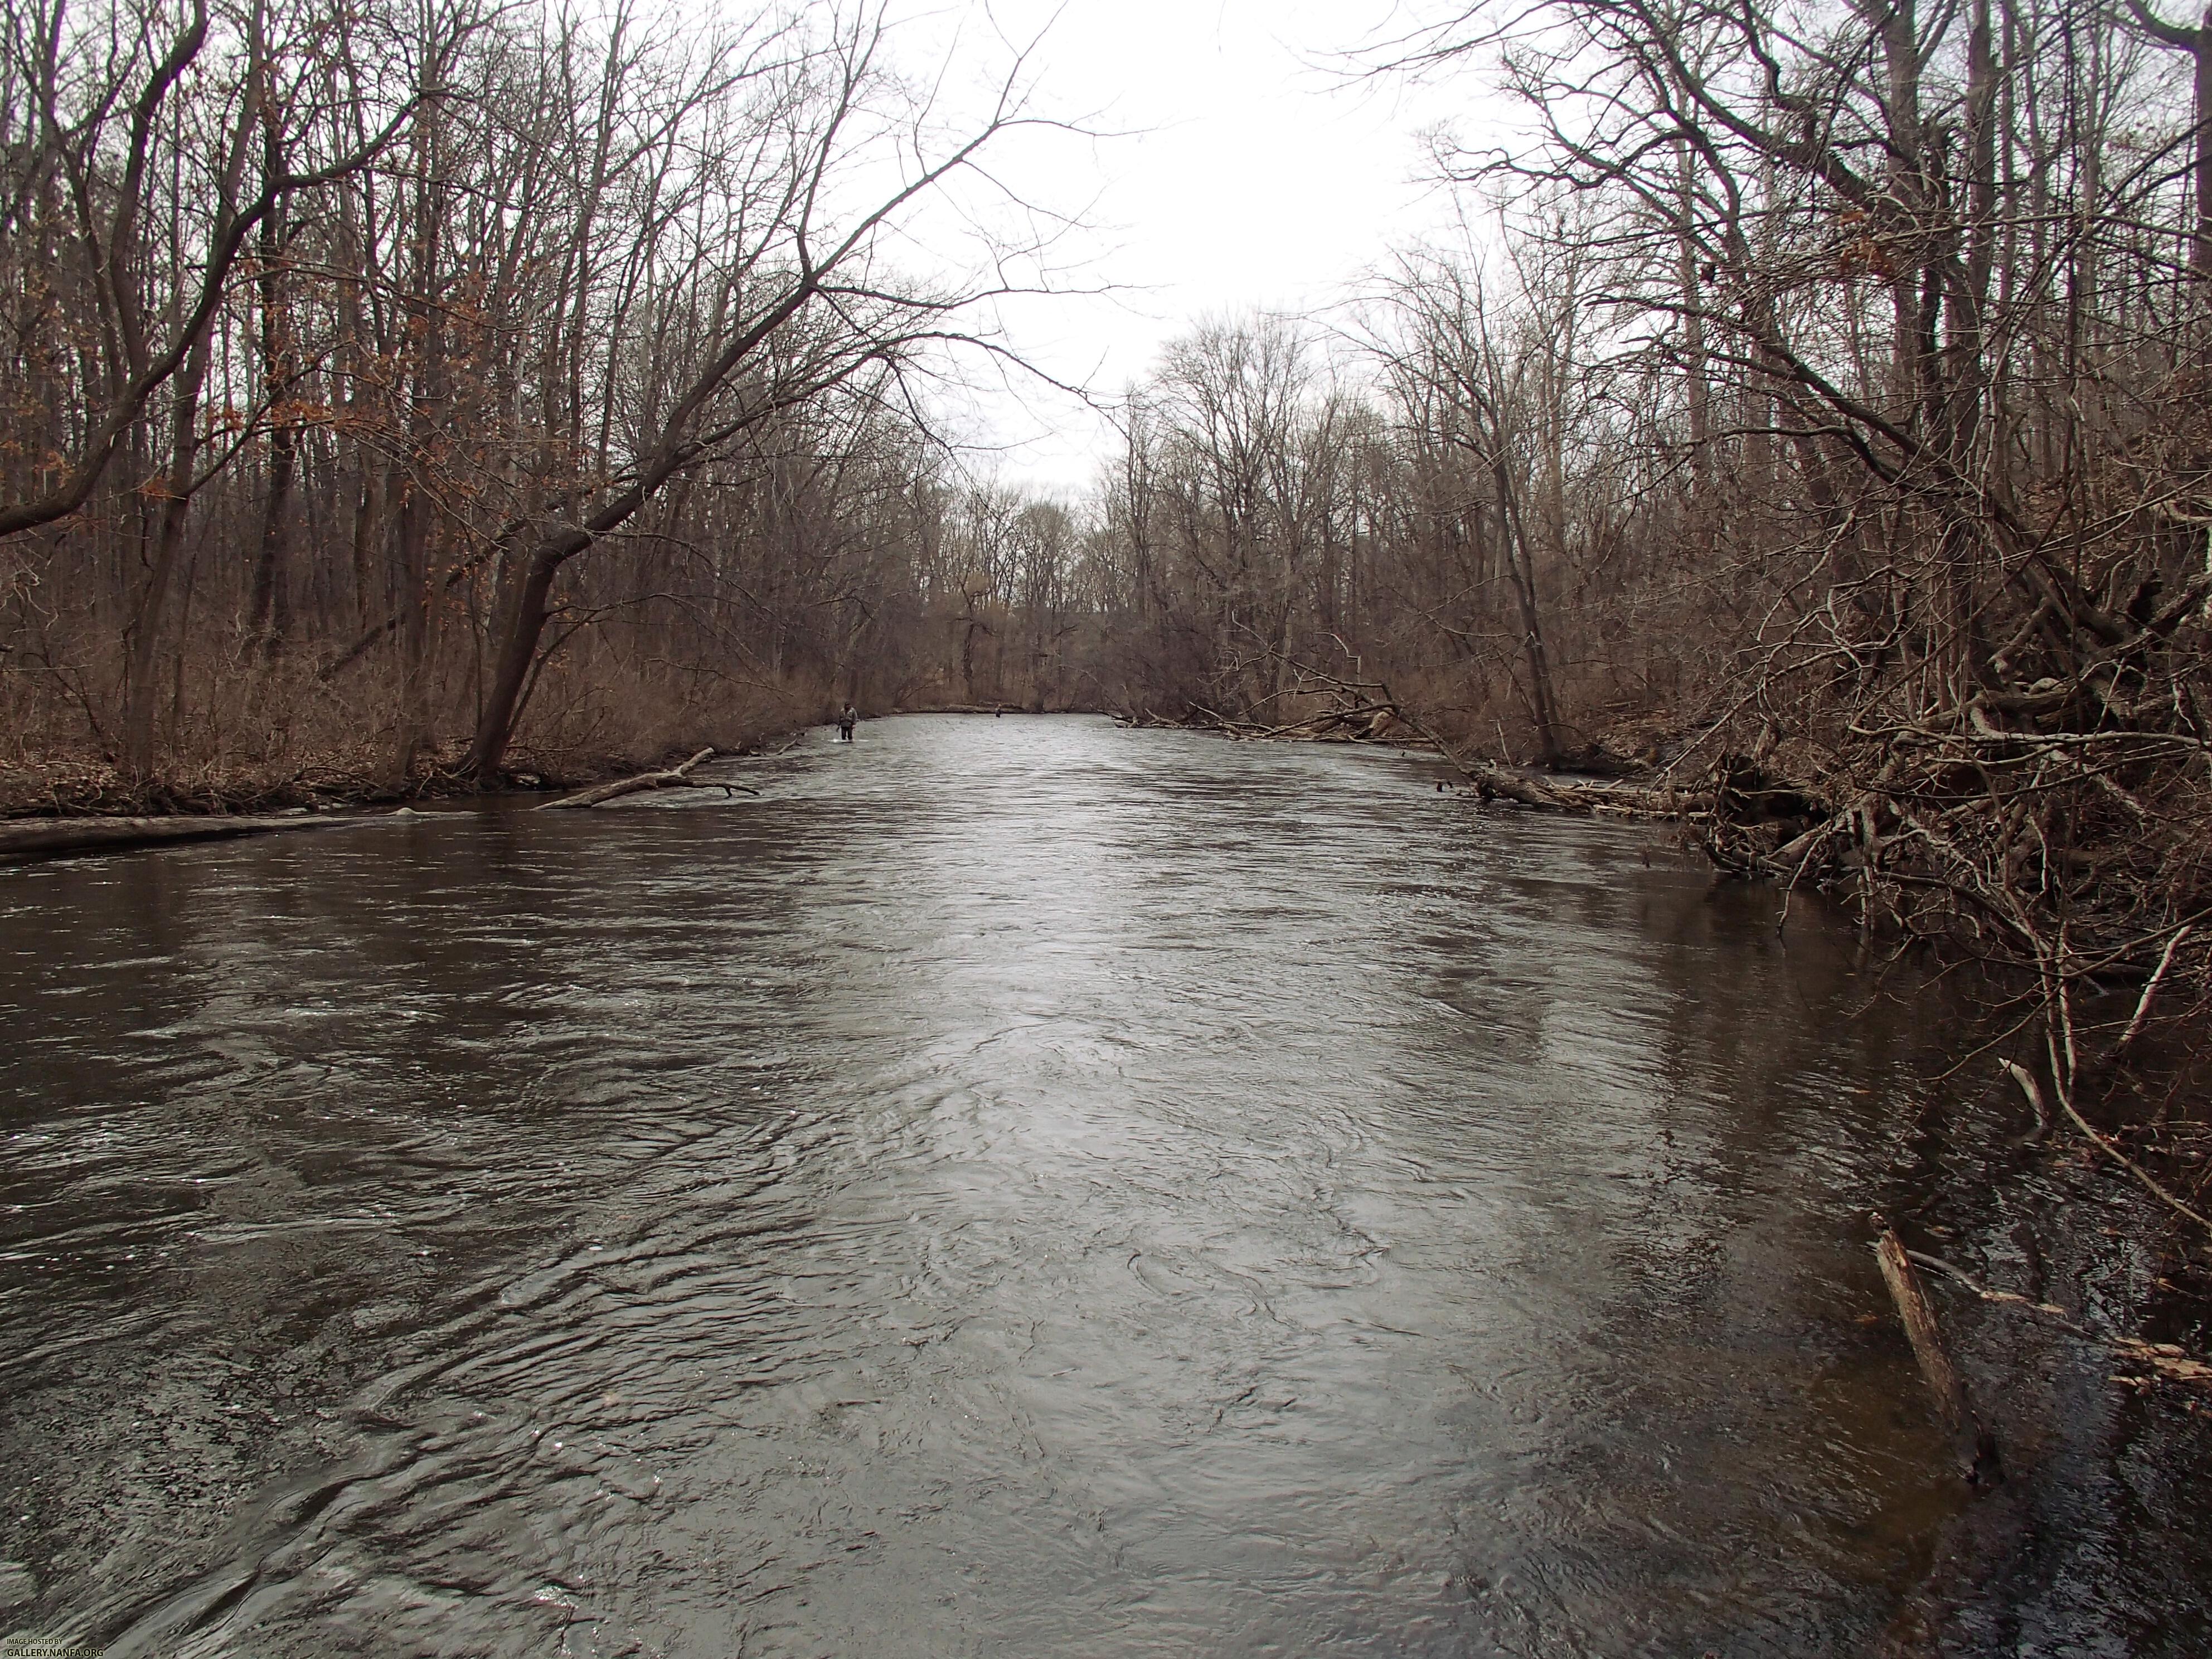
(89, 783)
(81, 800)
(53, 810)
(95, 787)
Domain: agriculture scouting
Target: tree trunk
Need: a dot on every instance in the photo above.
(147, 627)
(270, 613)
(2200, 256)
(426, 311)
(1521, 572)
(521, 625)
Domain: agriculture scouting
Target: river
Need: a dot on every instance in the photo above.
(1019, 1186)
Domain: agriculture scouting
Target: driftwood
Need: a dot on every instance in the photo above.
(30, 838)
(1977, 1447)
(1622, 800)
(673, 777)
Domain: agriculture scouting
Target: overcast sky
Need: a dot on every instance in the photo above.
(1250, 176)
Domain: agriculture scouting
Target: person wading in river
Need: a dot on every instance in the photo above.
(847, 721)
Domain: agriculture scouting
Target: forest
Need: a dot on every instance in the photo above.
(1813, 425)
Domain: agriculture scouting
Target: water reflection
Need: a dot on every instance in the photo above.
(1017, 1186)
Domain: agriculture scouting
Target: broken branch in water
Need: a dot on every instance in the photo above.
(1977, 1447)
(2063, 1046)
(2167, 1359)
(2026, 1078)
(674, 777)
(1368, 710)
(2150, 991)
(2105, 1146)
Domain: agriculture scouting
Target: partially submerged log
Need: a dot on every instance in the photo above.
(673, 777)
(28, 838)
(1558, 794)
(1976, 1446)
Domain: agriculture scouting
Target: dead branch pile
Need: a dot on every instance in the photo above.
(2075, 788)
(2056, 816)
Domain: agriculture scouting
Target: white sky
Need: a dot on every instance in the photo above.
(1251, 176)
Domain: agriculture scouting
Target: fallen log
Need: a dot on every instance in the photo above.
(30, 838)
(1611, 800)
(1976, 1446)
(673, 777)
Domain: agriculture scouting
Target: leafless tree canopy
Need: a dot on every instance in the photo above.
(383, 383)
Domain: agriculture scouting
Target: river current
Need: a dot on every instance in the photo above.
(1015, 1186)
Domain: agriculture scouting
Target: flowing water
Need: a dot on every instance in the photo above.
(1016, 1187)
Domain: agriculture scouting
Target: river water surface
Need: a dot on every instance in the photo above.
(1017, 1187)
